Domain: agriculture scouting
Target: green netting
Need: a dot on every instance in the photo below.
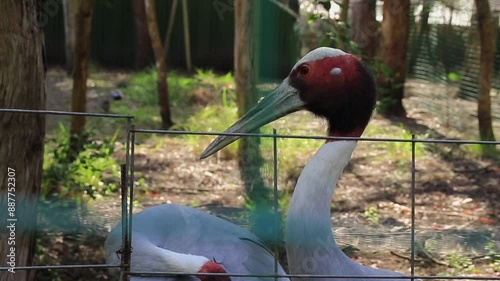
(448, 53)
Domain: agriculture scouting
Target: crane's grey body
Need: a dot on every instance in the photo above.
(311, 247)
(187, 230)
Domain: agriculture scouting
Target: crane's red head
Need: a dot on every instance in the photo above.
(337, 86)
(212, 267)
(329, 83)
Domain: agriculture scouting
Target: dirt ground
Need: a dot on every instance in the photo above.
(457, 209)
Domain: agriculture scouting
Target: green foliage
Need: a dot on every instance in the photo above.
(493, 256)
(142, 100)
(481, 151)
(397, 152)
(473, 151)
(222, 84)
(489, 151)
(331, 33)
(208, 119)
(373, 215)
(92, 173)
(142, 89)
(453, 76)
(459, 265)
(385, 101)
(459, 261)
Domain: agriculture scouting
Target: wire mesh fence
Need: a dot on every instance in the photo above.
(128, 186)
(444, 49)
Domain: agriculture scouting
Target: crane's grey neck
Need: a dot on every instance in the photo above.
(148, 257)
(310, 244)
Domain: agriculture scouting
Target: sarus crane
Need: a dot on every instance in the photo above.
(338, 87)
(178, 238)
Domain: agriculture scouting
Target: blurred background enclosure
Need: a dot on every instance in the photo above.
(442, 42)
(443, 45)
(426, 55)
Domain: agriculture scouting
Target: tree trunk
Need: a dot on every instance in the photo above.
(393, 47)
(142, 41)
(161, 64)
(83, 28)
(246, 60)
(22, 85)
(250, 159)
(187, 36)
(344, 12)
(70, 9)
(487, 37)
(364, 27)
(343, 43)
(170, 27)
(244, 75)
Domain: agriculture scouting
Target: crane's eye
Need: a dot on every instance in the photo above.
(304, 70)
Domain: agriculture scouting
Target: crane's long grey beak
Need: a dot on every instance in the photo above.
(280, 102)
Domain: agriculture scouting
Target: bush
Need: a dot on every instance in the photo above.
(92, 173)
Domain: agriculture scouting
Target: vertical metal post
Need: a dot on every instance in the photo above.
(131, 189)
(127, 145)
(413, 169)
(276, 209)
(126, 242)
(124, 258)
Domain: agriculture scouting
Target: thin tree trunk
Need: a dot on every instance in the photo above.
(393, 47)
(364, 27)
(161, 64)
(22, 85)
(143, 43)
(83, 30)
(487, 36)
(70, 10)
(344, 12)
(187, 39)
(170, 27)
(250, 157)
(343, 43)
(243, 48)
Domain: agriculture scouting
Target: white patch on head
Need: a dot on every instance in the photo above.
(335, 71)
(318, 54)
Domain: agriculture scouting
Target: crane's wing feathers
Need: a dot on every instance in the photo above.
(257, 242)
(187, 230)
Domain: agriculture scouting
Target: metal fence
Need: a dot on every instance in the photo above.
(127, 197)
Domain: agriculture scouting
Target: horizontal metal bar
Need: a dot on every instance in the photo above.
(166, 274)
(171, 132)
(69, 266)
(68, 113)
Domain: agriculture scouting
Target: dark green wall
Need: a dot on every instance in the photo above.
(279, 44)
(212, 36)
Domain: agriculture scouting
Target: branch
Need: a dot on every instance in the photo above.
(286, 9)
